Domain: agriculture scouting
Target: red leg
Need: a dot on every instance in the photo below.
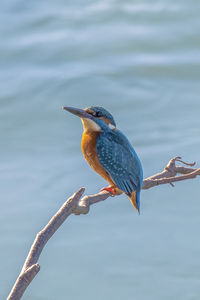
(110, 189)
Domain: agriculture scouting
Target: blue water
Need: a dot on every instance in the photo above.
(141, 61)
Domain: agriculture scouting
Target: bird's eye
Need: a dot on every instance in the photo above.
(98, 114)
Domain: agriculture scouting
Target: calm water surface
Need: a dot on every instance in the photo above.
(141, 61)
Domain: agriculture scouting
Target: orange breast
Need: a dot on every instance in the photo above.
(88, 146)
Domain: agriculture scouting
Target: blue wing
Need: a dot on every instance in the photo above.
(120, 160)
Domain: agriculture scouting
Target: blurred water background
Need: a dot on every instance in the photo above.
(141, 61)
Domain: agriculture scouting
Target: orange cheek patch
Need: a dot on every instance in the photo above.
(105, 120)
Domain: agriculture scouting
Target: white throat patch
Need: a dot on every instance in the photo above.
(111, 126)
(90, 125)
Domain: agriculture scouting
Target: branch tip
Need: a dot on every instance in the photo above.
(33, 268)
(77, 195)
(187, 164)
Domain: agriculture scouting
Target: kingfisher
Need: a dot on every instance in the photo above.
(109, 153)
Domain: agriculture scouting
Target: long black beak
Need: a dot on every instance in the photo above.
(77, 112)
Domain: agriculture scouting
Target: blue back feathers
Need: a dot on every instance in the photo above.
(120, 160)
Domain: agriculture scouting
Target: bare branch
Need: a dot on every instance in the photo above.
(170, 172)
(76, 205)
(23, 282)
(31, 268)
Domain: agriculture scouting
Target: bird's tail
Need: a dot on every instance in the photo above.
(135, 200)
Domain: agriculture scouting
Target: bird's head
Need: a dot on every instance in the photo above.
(94, 118)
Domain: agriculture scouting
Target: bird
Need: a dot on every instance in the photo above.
(108, 151)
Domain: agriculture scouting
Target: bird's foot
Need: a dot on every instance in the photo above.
(109, 189)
